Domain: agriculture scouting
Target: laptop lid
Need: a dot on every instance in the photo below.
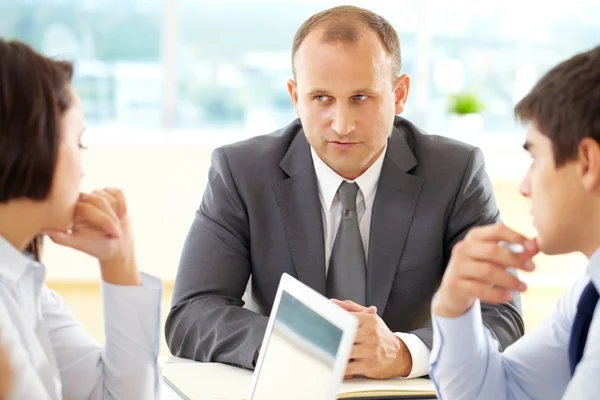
(306, 346)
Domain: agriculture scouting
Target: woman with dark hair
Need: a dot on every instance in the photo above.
(45, 352)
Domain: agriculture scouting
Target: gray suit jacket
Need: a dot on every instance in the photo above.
(260, 216)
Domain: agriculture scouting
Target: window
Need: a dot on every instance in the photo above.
(233, 61)
(217, 70)
(499, 50)
(116, 46)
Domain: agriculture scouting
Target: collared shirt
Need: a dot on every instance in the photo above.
(54, 357)
(466, 363)
(331, 211)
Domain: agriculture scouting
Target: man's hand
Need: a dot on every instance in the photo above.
(478, 270)
(101, 229)
(6, 373)
(377, 352)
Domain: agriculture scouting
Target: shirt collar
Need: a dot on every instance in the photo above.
(13, 263)
(594, 268)
(329, 181)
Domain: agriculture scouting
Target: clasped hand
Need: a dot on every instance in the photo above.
(101, 228)
(377, 352)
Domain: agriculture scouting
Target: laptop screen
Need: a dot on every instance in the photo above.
(299, 360)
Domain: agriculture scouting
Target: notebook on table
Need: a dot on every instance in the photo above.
(213, 381)
(304, 354)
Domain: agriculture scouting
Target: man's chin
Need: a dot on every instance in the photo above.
(347, 166)
(551, 247)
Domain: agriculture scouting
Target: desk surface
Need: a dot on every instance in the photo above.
(213, 381)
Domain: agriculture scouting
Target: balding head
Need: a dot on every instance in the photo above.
(347, 24)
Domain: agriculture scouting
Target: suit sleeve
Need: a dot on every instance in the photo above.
(475, 205)
(207, 321)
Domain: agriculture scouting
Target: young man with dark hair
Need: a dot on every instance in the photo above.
(562, 356)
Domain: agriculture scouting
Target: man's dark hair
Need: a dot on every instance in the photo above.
(34, 94)
(345, 24)
(565, 104)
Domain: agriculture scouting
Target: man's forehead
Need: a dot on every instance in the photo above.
(366, 71)
(323, 83)
(534, 138)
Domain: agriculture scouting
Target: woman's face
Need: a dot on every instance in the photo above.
(68, 173)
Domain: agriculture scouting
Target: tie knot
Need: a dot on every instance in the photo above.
(347, 192)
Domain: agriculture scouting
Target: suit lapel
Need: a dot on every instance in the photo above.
(298, 200)
(393, 211)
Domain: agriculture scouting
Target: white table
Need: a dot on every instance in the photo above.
(214, 381)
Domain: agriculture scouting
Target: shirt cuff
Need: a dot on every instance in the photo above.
(450, 335)
(419, 353)
(132, 320)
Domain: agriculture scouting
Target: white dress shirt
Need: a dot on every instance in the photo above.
(54, 357)
(331, 210)
(466, 363)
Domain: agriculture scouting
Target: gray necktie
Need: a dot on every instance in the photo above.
(346, 276)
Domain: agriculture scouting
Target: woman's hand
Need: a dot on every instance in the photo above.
(101, 228)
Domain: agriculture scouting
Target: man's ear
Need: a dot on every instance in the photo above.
(401, 89)
(589, 163)
(293, 92)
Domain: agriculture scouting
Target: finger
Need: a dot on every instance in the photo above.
(110, 198)
(495, 233)
(498, 254)
(339, 303)
(355, 367)
(361, 351)
(65, 239)
(349, 305)
(348, 376)
(115, 202)
(103, 202)
(87, 213)
(492, 274)
(100, 202)
(532, 246)
(484, 292)
(122, 203)
(371, 310)
(501, 233)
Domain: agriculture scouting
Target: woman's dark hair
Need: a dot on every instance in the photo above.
(34, 94)
(35, 247)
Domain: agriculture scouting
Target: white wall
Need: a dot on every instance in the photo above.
(163, 186)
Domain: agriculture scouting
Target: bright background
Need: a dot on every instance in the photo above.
(165, 81)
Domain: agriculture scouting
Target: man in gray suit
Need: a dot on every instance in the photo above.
(350, 199)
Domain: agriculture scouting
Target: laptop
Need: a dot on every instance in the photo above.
(306, 346)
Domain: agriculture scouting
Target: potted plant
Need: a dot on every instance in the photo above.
(465, 109)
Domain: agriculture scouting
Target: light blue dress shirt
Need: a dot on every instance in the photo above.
(52, 354)
(465, 362)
